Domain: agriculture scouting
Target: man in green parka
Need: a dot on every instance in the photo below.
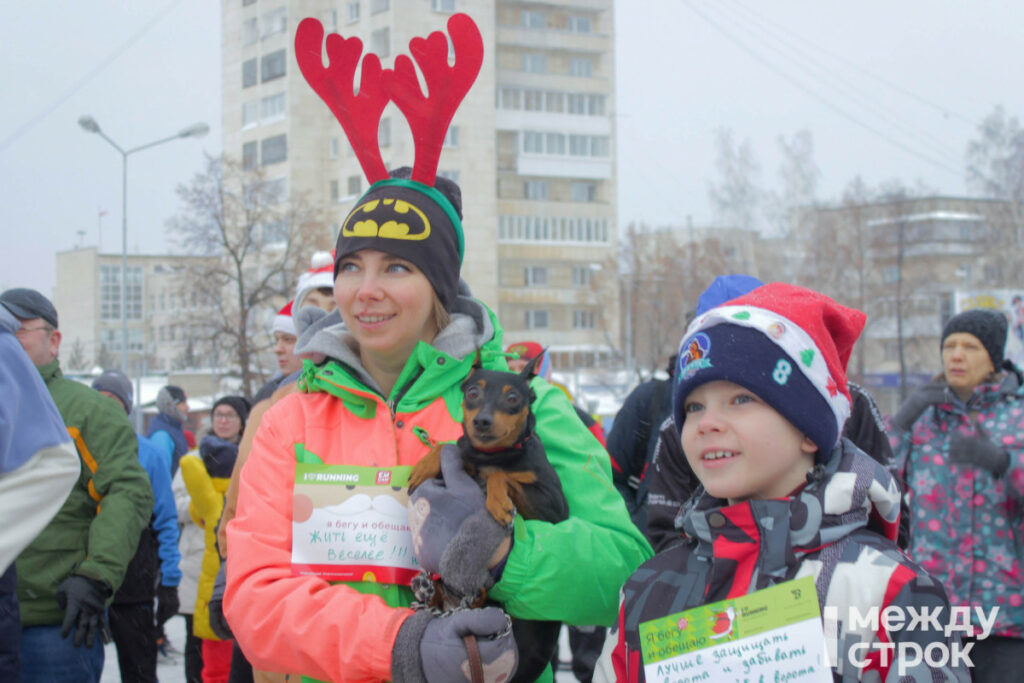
(68, 574)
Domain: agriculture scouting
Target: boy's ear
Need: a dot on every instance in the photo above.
(808, 446)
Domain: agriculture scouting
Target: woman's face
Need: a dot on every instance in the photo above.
(965, 362)
(227, 424)
(386, 303)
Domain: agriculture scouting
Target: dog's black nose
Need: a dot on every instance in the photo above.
(483, 422)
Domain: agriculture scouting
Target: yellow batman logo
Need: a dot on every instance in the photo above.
(406, 222)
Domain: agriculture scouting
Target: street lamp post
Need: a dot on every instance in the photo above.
(88, 123)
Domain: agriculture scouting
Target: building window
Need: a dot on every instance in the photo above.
(274, 150)
(272, 66)
(535, 63)
(250, 155)
(552, 229)
(380, 42)
(581, 66)
(250, 113)
(377, 6)
(510, 98)
(276, 190)
(535, 276)
(334, 148)
(451, 138)
(274, 22)
(442, 5)
(353, 12)
(331, 20)
(580, 24)
(890, 274)
(250, 31)
(532, 19)
(335, 192)
(583, 320)
(533, 143)
(581, 276)
(354, 183)
(449, 175)
(582, 192)
(536, 320)
(533, 100)
(275, 232)
(554, 143)
(535, 189)
(384, 133)
(272, 108)
(110, 293)
(249, 73)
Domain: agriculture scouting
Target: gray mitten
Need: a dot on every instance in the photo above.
(977, 451)
(918, 402)
(453, 533)
(433, 650)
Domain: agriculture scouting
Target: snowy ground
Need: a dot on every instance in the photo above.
(174, 672)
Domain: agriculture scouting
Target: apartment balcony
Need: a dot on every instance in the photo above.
(555, 41)
(517, 119)
(590, 168)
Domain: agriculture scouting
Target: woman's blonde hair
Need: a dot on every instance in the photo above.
(442, 318)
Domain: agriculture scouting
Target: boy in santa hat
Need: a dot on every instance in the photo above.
(761, 397)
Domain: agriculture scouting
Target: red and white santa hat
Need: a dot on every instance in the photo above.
(787, 344)
(283, 321)
(321, 274)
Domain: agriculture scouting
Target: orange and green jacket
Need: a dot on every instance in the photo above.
(570, 572)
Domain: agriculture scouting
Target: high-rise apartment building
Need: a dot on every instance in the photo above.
(532, 146)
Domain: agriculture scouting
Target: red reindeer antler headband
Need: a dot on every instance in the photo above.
(359, 113)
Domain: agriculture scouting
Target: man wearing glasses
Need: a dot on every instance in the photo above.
(67, 575)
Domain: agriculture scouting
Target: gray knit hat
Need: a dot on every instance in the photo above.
(117, 383)
(988, 326)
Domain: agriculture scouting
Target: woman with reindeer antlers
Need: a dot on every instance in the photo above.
(384, 388)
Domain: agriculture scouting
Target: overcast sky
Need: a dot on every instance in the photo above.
(889, 90)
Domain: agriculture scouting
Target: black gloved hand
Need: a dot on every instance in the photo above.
(977, 451)
(218, 622)
(433, 649)
(918, 402)
(167, 603)
(84, 603)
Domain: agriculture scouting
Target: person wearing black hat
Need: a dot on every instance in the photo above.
(960, 446)
(154, 572)
(383, 391)
(206, 477)
(67, 591)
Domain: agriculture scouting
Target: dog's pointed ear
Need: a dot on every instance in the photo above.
(477, 362)
(531, 367)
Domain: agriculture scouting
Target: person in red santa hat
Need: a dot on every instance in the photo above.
(760, 398)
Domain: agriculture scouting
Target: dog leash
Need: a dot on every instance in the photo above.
(476, 664)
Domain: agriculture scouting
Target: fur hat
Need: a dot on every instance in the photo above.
(787, 344)
(118, 384)
(989, 327)
(168, 398)
(283, 321)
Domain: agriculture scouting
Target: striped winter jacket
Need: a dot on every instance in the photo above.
(837, 529)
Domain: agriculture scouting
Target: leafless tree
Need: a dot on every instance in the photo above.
(735, 198)
(261, 238)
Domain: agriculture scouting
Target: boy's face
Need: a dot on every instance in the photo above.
(740, 447)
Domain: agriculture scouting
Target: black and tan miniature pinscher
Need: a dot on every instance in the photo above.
(501, 451)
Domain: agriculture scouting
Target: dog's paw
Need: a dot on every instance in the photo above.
(502, 510)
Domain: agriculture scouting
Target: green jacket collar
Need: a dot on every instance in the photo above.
(50, 371)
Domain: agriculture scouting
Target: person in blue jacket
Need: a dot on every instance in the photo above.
(38, 467)
(166, 430)
(133, 624)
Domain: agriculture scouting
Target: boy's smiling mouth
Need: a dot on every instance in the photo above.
(710, 456)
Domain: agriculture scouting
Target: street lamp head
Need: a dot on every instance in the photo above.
(89, 124)
(196, 130)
